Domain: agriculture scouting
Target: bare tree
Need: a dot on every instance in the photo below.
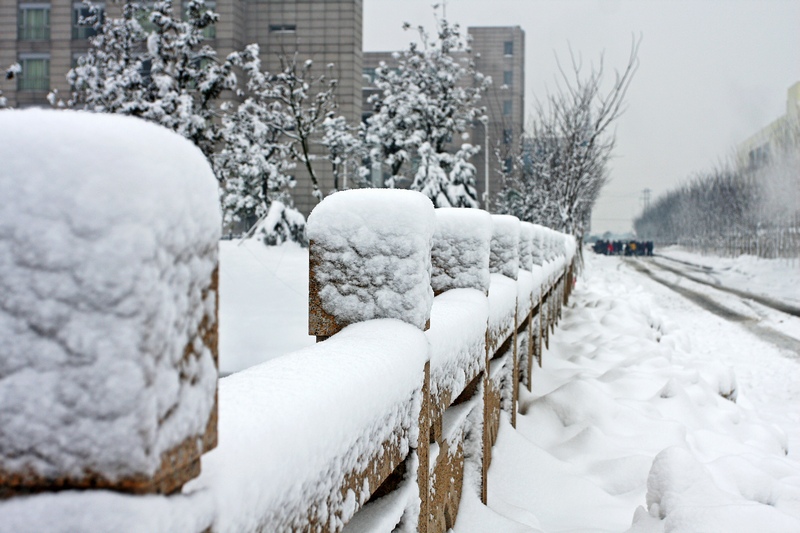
(558, 172)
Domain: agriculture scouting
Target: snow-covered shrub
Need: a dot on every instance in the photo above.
(282, 224)
(460, 254)
(370, 257)
(108, 318)
(504, 254)
(526, 245)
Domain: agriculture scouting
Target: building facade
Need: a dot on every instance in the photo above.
(45, 39)
(499, 52)
(757, 150)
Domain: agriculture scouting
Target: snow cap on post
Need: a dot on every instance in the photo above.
(504, 254)
(370, 257)
(109, 265)
(539, 251)
(526, 245)
(460, 253)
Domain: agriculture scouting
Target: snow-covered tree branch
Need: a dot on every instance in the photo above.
(423, 107)
(557, 174)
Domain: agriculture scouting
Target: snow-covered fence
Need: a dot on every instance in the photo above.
(493, 304)
(110, 323)
(108, 375)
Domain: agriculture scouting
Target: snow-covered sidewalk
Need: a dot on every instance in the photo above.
(631, 425)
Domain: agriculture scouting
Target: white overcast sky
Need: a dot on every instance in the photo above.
(711, 73)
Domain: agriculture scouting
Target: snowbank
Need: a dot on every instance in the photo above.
(370, 254)
(460, 254)
(292, 428)
(108, 312)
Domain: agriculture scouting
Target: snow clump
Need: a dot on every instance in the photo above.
(526, 246)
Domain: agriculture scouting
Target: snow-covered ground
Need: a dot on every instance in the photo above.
(776, 278)
(628, 411)
(628, 429)
(263, 302)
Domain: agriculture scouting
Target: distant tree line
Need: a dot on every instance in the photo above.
(736, 208)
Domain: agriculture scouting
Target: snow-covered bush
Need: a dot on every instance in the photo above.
(281, 224)
(370, 256)
(504, 254)
(460, 254)
(108, 375)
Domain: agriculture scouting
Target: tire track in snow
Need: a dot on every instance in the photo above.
(763, 300)
(785, 343)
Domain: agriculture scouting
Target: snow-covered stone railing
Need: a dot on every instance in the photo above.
(499, 285)
(428, 320)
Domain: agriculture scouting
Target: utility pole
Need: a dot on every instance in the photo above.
(646, 199)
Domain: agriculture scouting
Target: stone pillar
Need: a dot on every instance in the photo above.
(109, 323)
(369, 257)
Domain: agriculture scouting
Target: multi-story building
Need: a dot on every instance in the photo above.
(499, 52)
(759, 148)
(44, 37)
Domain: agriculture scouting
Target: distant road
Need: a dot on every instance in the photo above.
(763, 300)
(785, 342)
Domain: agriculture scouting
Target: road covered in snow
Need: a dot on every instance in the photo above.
(650, 414)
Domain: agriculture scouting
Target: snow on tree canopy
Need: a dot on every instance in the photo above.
(108, 241)
(460, 254)
(526, 245)
(504, 255)
(371, 255)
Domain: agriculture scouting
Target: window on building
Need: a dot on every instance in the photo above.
(34, 22)
(282, 28)
(507, 107)
(508, 48)
(209, 32)
(82, 12)
(35, 74)
(508, 135)
(368, 77)
(508, 78)
(508, 165)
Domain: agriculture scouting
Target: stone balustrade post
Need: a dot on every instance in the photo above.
(108, 377)
(370, 258)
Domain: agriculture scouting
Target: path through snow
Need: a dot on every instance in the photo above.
(629, 410)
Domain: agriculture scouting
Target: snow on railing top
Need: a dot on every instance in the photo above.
(109, 304)
(460, 254)
(370, 257)
(504, 255)
(298, 425)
